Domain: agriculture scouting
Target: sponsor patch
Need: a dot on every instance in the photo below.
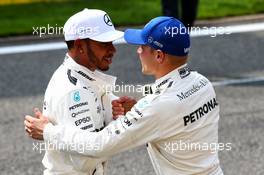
(200, 112)
(72, 79)
(195, 88)
(85, 75)
(78, 105)
(76, 96)
(82, 120)
(184, 72)
(44, 105)
(87, 127)
(79, 112)
(98, 109)
(143, 103)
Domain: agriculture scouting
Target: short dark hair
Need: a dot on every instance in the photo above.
(70, 44)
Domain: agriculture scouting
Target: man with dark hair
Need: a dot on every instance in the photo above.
(69, 44)
(78, 94)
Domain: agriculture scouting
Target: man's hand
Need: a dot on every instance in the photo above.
(35, 125)
(122, 105)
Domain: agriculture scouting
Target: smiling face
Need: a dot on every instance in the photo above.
(96, 55)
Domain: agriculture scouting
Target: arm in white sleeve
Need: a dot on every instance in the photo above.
(136, 128)
(107, 99)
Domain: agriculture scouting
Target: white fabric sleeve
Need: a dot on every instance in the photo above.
(107, 99)
(136, 128)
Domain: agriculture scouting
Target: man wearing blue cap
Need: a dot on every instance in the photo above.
(178, 120)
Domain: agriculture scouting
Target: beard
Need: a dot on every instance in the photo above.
(100, 64)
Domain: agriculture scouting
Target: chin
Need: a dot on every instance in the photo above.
(145, 71)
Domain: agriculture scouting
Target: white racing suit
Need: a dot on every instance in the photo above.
(181, 110)
(76, 97)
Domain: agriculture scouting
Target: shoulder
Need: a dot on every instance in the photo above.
(153, 105)
(178, 94)
(64, 82)
(193, 85)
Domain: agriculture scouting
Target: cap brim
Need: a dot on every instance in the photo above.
(108, 36)
(134, 36)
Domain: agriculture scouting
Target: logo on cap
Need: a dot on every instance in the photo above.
(158, 44)
(150, 39)
(107, 20)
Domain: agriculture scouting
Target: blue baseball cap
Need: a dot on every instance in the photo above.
(164, 33)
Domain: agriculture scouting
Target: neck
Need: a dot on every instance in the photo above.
(80, 61)
(164, 72)
(70, 54)
(170, 64)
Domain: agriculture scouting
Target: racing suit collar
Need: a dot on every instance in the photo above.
(166, 81)
(106, 78)
(176, 73)
(100, 78)
(69, 61)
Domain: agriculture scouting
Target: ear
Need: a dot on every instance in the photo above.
(160, 56)
(78, 45)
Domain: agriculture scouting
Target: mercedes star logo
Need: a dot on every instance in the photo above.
(107, 20)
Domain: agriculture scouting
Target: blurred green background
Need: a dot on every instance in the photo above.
(20, 16)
